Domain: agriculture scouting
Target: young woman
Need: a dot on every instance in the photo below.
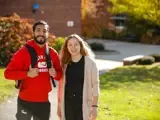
(78, 90)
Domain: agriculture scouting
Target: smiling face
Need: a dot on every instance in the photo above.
(41, 34)
(73, 47)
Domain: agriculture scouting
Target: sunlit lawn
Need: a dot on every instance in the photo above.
(6, 87)
(130, 93)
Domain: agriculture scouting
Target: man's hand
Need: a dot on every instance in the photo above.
(93, 114)
(52, 72)
(33, 72)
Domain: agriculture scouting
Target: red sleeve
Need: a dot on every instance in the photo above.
(56, 64)
(15, 69)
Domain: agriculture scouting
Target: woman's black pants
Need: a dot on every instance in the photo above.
(73, 107)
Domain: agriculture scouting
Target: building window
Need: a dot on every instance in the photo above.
(119, 21)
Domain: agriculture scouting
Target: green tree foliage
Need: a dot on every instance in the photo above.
(140, 9)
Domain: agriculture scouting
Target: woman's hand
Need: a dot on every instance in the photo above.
(94, 113)
(59, 110)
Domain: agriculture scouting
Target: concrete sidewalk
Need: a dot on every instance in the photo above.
(8, 109)
(124, 49)
(106, 65)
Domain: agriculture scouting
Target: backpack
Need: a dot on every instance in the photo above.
(34, 57)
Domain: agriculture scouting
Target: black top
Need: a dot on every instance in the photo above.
(75, 78)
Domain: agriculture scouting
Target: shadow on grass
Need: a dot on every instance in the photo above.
(126, 76)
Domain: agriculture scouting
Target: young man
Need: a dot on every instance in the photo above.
(33, 94)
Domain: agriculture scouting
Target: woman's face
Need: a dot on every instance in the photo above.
(73, 47)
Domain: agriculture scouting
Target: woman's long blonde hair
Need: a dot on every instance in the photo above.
(85, 50)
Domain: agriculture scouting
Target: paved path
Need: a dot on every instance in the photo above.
(124, 49)
(8, 109)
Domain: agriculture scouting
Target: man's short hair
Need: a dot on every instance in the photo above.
(40, 22)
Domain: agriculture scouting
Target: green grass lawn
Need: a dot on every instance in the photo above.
(6, 87)
(130, 93)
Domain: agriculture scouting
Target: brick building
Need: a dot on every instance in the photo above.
(64, 17)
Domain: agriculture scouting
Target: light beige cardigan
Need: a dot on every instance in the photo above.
(90, 88)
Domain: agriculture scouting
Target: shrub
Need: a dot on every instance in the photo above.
(95, 46)
(108, 34)
(150, 39)
(147, 60)
(121, 35)
(58, 43)
(14, 32)
(156, 57)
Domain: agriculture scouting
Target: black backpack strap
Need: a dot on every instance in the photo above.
(33, 56)
(48, 59)
(49, 64)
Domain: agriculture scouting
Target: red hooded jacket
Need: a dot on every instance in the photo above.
(33, 89)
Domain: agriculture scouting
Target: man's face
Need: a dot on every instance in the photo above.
(41, 34)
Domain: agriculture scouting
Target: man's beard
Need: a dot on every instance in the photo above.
(42, 41)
